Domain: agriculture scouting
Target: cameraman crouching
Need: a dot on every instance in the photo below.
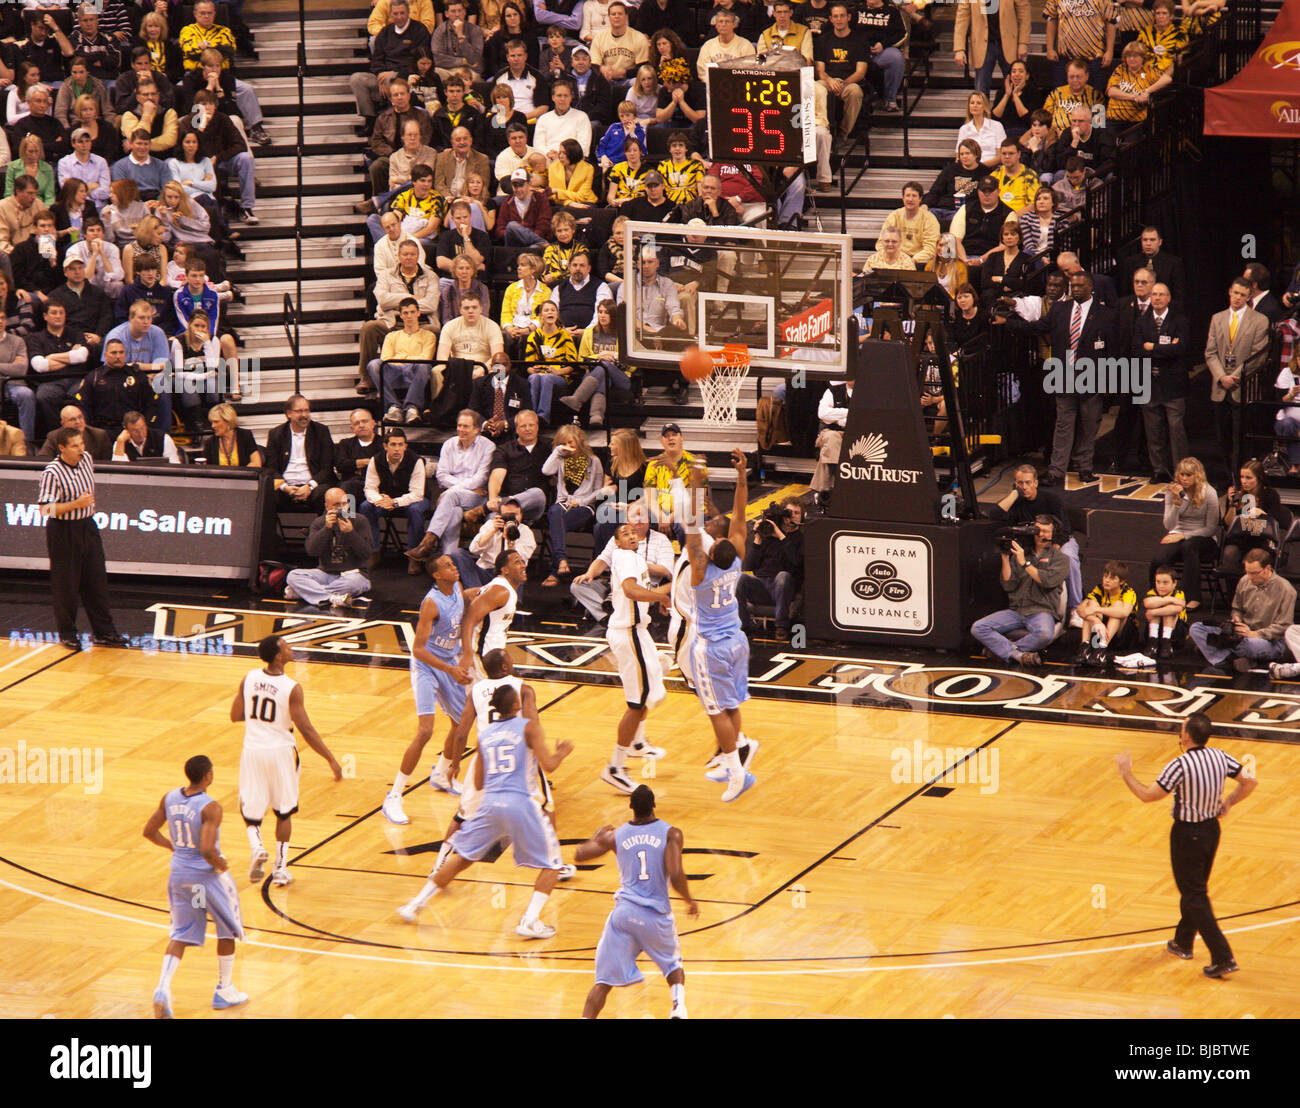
(1263, 607)
(1034, 584)
(504, 531)
(774, 565)
(342, 549)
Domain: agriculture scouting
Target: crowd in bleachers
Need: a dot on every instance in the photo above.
(126, 138)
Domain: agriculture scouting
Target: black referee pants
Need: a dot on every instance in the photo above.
(1192, 847)
(78, 573)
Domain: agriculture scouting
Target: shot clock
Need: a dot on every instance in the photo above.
(760, 114)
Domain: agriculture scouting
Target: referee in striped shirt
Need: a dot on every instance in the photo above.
(1196, 778)
(77, 570)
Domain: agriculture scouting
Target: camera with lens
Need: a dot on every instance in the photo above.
(1225, 636)
(1026, 535)
(773, 518)
(512, 531)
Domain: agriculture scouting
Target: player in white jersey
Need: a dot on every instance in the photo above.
(634, 651)
(488, 618)
(270, 704)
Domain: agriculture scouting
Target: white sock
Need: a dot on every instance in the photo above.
(444, 765)
(254, 837)
(678, 994)
(444, 852)
(619, 759)
(1169, 631)
(1153, 629)
(399, 783)
(225, 969)
(535, 906)
(732, 763)
(281, 855)
(426, 894)
(638, 740)
(741, 739)
(170, 964)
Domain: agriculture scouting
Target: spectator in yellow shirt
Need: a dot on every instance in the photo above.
(917, 228)
(406, 361)
(551, 356)
(1130, 87)
(1017, 183)
(682, 175)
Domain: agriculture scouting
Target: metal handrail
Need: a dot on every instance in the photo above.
(297, 205)
(291, 333)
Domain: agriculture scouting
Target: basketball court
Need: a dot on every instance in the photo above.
(893, 861)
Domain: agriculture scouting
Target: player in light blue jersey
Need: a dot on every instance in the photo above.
(438, 677)
(720, 654)
(649, 855)
(199, 885)
(510, 751)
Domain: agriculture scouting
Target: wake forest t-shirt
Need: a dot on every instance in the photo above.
(840, 55)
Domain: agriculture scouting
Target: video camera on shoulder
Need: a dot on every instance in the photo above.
(774, 517)
(1026, 534)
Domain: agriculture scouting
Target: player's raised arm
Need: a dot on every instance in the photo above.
(676, 875)
(154, 825)
(738, 531)
(208, 837)
(237, 708)
(527, 702)
(694, 521)
(547, 759)
(298, 713)
(602, 842)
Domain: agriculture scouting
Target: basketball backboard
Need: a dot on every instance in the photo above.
(786, 295)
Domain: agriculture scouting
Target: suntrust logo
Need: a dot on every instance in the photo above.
(873, 450)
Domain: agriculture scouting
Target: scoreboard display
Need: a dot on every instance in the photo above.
(758, 114)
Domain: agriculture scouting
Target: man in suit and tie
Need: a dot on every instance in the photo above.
(498, 397)
(1261, 300)
(1079, 328)
(1236, 347)
(1129, 437)
(1162, 336)
(300, 456)
(1167, 267)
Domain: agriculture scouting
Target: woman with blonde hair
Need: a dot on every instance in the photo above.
(947, 266)
(31, 161)
(578, 481)
(982, 127)
(105, 139)
(520, 303)
(148, 239)
(181, 220)
(500, 115)
(230, 444)
(1130, 88)
(124, 213)
(1191, 523)
(624, 482)
(644, 94)
(164, 54)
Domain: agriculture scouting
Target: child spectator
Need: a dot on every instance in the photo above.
(1106, 613)
(1164, 611)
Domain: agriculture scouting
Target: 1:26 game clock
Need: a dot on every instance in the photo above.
(757, 114)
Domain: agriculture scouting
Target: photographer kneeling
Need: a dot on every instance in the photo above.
(505, 531)
(774, 565)
(1263, 607)
(1034, 584)
(343, 549)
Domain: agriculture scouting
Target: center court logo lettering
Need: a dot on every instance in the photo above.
(873, 450)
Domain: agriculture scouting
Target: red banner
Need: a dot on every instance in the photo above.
(1263, 100)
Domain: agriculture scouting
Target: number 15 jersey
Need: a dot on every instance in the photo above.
(267, 725)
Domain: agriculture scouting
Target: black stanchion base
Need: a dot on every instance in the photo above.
(903, 583)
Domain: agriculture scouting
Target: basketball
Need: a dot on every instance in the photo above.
(696, 364)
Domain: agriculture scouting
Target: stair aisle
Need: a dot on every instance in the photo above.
(333, 238)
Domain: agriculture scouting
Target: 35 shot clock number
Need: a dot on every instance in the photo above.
(760, 115)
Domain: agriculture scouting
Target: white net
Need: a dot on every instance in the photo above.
(721, 388)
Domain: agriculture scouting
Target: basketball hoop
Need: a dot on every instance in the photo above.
(721, 388)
